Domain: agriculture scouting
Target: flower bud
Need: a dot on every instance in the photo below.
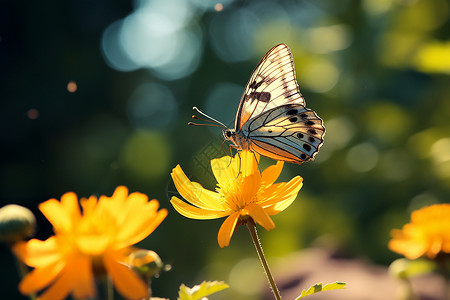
(146, 263)
(16, 223)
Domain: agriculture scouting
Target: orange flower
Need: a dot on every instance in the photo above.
(94, 242)
(427, 234)
(242, 192)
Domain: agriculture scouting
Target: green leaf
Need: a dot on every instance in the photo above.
(202, 290)
(319, 288)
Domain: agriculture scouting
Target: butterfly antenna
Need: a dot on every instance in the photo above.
(208, 119)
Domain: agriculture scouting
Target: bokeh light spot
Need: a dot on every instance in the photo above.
(340, 130)
(112, 49)
(72, 86)
(320, 76)
(396, 165)
(421, 200)
(246, 277)
(151, 105)
(230, 35)
(329, 38)
(387, 121)
(433, 57)
(376, 7)
(440, 153)
(33, 113)
(146, 155)
(222, 103)
(363, 157)
(159, 35)
(218, 7)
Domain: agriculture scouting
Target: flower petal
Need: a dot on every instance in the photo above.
(271, 173)
(279, 196)
(126, 281)
(69, 202)
(37, 253)
(259, 215)
(246, 192)
(120, 193)
(39, 278)
(83, 283)
(193, 192)
(55, 212)
(249, 163)
(137, 229)
(227, 229)
(193, 212)
(225, 168)
(61, 288)
(409, 249)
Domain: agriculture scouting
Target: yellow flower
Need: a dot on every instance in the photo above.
(427, 234)
(94, 242)
(242, 193)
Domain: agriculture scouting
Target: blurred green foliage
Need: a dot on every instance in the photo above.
(376, 71)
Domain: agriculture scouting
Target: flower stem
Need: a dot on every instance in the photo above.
(109, 289)
(252, 228)
(24, 271)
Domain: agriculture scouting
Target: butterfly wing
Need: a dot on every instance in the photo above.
(272, 84)
(290, 133)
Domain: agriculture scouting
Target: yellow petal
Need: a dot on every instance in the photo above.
(83, 283)
(39, 278)
(126, 281)
(227, 229)
(142, 226)
(61, 288)
(193, 212)
(120, 194)
(193, 192)
(260, 216)
(249, 187)
(249, 163)
(271, 173)
(36, 253)
(89, 205)
(407, 248)
(279, 196)
(56, 214)
(69, 202)
(92, 244)
(225, 168)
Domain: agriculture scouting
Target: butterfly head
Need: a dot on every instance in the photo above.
(229, 134)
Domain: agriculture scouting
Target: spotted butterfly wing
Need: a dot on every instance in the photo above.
(271, 84)
(272, 119)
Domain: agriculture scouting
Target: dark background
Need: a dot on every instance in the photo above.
(377, 72)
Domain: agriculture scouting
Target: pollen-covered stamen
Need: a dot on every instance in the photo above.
(240, 192)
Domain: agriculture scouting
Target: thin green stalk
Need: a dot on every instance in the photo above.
(252, 228)
(105, 290)
(23, 270)
(109, 289)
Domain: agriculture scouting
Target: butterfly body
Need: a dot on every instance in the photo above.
(272, 119)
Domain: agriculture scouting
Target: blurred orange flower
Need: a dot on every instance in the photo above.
(242, 193)
(93, 242)
(427, 234)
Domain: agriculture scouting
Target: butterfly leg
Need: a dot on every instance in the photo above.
(257, 163)
(239, 173)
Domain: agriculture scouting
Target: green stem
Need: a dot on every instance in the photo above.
(23, 270)
(252, 228)
(109, 289)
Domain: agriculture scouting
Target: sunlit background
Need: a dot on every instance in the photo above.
(96, 94)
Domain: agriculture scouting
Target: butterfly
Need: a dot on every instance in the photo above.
(272, 119)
